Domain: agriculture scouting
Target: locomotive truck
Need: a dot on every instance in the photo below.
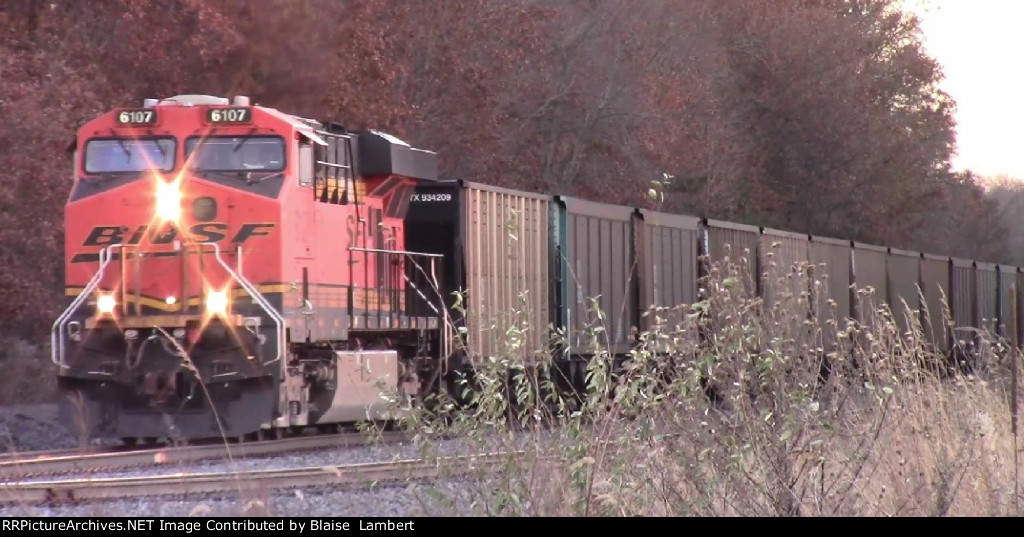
(235, 270)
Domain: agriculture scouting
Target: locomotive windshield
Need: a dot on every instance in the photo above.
(118, 155)
(236, 153)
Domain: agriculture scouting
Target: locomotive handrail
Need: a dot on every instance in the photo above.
(56, 336)
(443, 321)
(379, 251)
(251, 289)
(405, 277)
(57, 346)
(340, 166)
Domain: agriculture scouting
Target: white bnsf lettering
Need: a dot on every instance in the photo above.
(416, 196)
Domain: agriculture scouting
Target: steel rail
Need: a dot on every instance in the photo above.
(11, 456)
(35, 464)
(79, 490)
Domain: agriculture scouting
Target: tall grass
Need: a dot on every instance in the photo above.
(731, 407)
(737, 407)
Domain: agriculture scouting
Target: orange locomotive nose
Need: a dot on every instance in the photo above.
(174, 247)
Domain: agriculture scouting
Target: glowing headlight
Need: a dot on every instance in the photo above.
(217, 302)
(168, 201)
(105, 304)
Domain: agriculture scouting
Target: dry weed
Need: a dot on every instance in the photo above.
(737, 407)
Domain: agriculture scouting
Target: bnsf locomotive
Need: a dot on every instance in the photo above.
(235, 270)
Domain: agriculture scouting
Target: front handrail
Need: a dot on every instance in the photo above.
(256, 295)
(57, 348)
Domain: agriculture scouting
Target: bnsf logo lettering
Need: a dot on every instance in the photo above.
(206, 232)
(416, 196)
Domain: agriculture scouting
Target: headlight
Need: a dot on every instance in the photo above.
(168, 201)
(105, 304)
(217, 302)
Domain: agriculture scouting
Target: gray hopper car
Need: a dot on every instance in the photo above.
(558, 260)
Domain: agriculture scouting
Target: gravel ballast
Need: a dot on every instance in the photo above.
(33, 427)
(395, 501)
(302, 459)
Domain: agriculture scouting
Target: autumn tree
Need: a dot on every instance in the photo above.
(1004, 197)
(969, 223)
(836, 107)
(62, 63)
(820, 116)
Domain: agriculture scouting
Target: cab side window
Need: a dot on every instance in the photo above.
(333, 168)
(305, 164)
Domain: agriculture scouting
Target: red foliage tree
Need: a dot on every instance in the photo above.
(817, 116)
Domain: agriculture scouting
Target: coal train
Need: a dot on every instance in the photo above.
(235, 270)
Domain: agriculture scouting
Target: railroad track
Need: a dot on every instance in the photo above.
(83, 490)
(12, 456)
(40, 464)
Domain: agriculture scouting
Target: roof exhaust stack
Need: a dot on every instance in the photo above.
(149, 103)
(241, 100)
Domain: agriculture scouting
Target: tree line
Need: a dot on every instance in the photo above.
(816, 116)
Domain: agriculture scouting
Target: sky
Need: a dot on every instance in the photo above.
(980, 44)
